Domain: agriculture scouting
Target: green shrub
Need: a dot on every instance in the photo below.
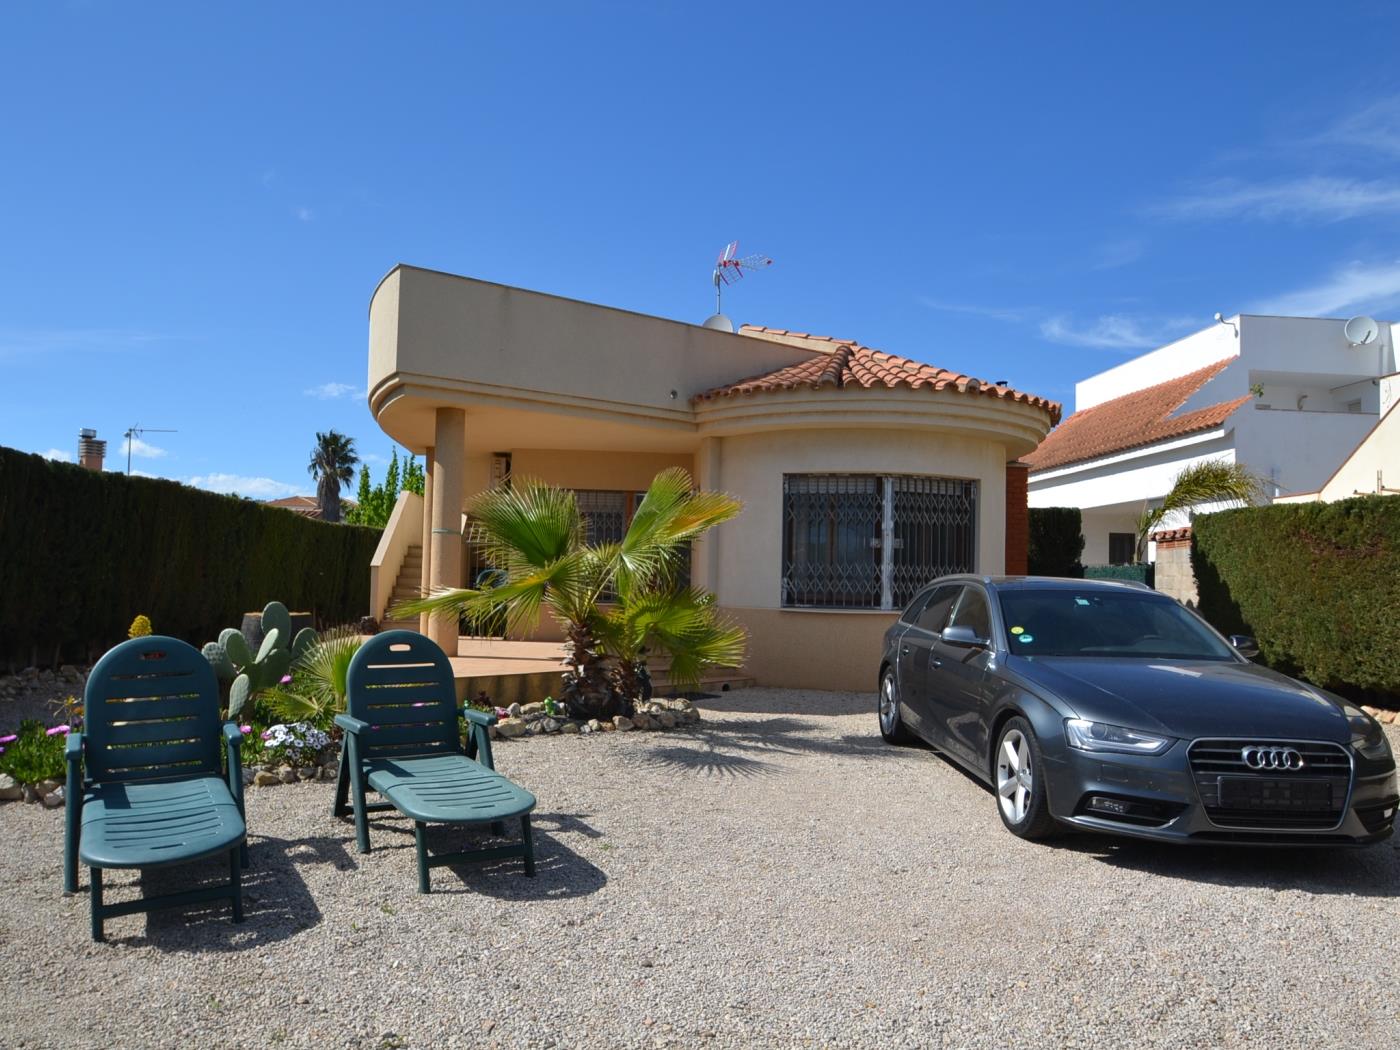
(35, 755)
(1056, 541)
(1318, 584)
(73, 566)
(1140, 572)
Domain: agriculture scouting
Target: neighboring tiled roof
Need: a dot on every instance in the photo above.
(1171, 535)
(852, 365)
(301, 504)
(1143, 417)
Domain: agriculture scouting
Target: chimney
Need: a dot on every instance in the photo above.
(91, 452)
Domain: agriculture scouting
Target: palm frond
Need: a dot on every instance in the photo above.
(529, 522)
(670, 515)
(1210, 481)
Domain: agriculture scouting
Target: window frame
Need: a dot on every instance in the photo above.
(886, 542)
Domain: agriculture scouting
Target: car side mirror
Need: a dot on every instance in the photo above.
(1245, 645)
(964, 637)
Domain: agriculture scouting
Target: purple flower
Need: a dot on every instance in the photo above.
(9, 739)
(286, 678)
(267, 734)
(245, 730)
(55, 730)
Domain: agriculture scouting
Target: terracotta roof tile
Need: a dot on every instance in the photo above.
(1171, 535)
(1143, 417)
(852, 365)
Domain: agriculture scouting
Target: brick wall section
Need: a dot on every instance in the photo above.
(1018, 522)
(1173, 573)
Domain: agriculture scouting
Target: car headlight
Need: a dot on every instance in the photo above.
(1367, 736)
(1100, 736)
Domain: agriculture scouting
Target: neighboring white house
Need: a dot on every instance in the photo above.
(1289, 397)
(1373, 468)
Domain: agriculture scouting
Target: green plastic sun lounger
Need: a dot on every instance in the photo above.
(401, 740)
(146, 783)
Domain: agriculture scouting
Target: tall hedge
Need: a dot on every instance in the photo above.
(1318, 584)
(83, 552)
(1056, 541)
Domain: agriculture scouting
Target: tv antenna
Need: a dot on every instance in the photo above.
(730, 268)
(136, 431)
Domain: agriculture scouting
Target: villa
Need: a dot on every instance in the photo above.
(862, 474)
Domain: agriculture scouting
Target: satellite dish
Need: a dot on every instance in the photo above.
(1361, 331)
(719, 323)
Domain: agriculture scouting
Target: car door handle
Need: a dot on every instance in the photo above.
(904, 650)
(934, 661)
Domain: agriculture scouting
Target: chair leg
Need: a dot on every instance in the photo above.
(529, 845)
(235, 882)
(342, 783)
(243, 853)
(357, 792)
(421, 845)
(97, 905)
(70, 851)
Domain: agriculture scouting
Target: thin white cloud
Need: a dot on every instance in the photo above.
(996, 313)
(241, 485)
(305, 214)
(32, 342)
(59, 455)
(141, 449)
(1116, 331)
(331, 391)
(1373, 128)
(1318, 198)
(1113, 254)
(1350, 289)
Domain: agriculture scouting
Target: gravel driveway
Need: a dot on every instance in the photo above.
(776, 876)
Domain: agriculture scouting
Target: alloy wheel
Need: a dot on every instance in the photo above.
(889, 705)
(1014, 776)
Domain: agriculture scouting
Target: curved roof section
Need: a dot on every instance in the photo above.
(850, 365)
(1134, 420)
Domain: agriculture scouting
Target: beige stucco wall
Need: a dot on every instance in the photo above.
(1173, 574)
(814, 649)
(752, 468)
(612, 471)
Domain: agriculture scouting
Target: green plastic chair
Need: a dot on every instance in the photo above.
(401, 740)
(146, 784)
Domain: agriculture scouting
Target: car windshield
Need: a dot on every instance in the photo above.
(1095, 622)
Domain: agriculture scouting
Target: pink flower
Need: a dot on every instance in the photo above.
(55, 730)
(9, 739)
(267, 734)
(245, 730)
(286, 678)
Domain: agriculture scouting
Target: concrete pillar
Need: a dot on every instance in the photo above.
(449, 465)
(425, 572)
(704, 560)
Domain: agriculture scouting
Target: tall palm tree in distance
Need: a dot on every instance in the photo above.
(332, 465)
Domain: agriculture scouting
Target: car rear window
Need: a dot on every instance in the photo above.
(1093, 622)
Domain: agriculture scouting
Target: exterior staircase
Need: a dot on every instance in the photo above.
(406, 587)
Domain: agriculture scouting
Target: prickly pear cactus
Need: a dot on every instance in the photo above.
(218, 659)
(303, 642)
(276, 618)
(250, 673)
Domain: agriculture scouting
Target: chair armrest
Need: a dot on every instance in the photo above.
(72, 810)
(351, 725)
(479, 724)
(73, 750)
(233, 743)
(480, 718)
(73, 756)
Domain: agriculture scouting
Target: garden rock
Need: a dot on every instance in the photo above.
(550, 725)
(54, 798)
(622, 723)
(10, 789)
(533, 709)
(667, 719)
(248, 775)
(45, 786)
(511, 727)
(309, 772)
(287, 774)
(30, 795)
(265, 779)
(513, 711)
(330, 771)
(568, 728)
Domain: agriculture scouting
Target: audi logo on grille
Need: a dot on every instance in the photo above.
(1280, 758)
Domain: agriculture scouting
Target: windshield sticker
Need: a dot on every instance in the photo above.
(1081, 601)
(1025, 638)
(1017, 630)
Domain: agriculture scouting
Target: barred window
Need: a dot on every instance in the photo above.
(605, 514)
(866, 541)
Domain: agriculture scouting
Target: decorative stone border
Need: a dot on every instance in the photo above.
(533, 720)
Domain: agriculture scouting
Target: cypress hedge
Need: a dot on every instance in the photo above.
(1318, 584)
(83, 552)
(1056, 542)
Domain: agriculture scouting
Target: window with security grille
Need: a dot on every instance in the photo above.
(867, 541)
(605, 514)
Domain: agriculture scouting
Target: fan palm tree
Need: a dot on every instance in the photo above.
(332, 465)
(1210, 481)
(535, 537)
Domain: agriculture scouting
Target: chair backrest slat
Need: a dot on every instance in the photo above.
(151, 712)
(400, 683)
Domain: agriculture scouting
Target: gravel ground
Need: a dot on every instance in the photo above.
(776, 877)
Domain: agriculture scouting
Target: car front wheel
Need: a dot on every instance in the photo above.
(891, 724)
(1020, 783)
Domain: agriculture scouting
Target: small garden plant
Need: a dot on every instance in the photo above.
(35, 753)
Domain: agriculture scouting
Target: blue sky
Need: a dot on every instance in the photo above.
(196, 201)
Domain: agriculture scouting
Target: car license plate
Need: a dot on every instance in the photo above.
(1277, 795)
